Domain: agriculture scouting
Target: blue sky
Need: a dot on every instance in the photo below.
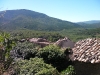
(69, 10)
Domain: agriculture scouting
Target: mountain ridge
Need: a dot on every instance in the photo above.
(22, 18)
(90, 24)
(90, 21)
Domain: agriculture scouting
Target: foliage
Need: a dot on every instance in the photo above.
(34, 66)
(50, 36)
(73, 34)
(53, 55)
(69, 71)
(6, 44)
(24, 50)
(95, 24)
(81, 33)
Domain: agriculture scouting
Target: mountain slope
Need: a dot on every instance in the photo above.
(19, 19)
(90, 24)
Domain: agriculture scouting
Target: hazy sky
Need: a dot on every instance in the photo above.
(70, 10)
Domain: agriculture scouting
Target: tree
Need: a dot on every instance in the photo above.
(6, 44)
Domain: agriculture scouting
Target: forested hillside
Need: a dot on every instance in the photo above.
(90, 24)
(27, 19)
(27, 24)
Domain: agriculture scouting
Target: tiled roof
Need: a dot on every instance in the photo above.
(87, 50)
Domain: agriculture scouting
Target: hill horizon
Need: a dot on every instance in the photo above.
(23, 18)
(85, 21)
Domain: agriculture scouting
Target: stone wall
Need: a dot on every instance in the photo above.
(82, 68)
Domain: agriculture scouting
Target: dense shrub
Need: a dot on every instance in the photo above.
(68, 71)
(24, 50)
(34, 66)
(53, 55)
(6, 44)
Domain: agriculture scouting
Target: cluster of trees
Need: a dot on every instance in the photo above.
(50, 60)
(37, 66)
(50, 36)
(81, 33)
(73, 34)
(90, 32)
(51, 55)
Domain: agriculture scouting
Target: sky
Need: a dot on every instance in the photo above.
(69, 10)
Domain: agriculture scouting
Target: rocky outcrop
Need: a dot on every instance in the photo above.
(64, 43)
(87, 50)
(37, 40)
(40, 41)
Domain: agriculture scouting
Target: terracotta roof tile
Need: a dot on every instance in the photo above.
(87, 50)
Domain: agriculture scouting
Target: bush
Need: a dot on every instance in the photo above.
(24, 50)
(53, 55)
(34, 66)
(6, 45)
(69, 71)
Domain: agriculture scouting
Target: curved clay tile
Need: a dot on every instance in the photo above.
(87, 50)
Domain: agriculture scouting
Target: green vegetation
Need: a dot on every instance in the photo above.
(50, 60)
(68, 71)
(27, 19)
(25, 50)
(81, 33)
(6, 44)
(53, 55)
(74, 34)
(28, 24)
(35, 66)
(40, 63)
(49, 35)
(90, 24)
(50, 55)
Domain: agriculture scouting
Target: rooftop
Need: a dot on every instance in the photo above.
(87, 50)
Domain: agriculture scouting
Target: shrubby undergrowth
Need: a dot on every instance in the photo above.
(34, 66)
(50, 60)
(68, 71)
(24, 50)
(55, 56)
(51, 54)
(6, 44)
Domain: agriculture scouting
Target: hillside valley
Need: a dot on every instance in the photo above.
(34, 43)
(25, 23)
